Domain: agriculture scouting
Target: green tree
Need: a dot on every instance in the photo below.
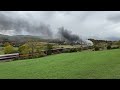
(32, 45)
(9, 49)
(6, 44)
(24, 49)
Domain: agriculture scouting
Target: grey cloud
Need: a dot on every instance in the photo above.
(12, 21)
(85, 15)
(115, 18)
(85, 24)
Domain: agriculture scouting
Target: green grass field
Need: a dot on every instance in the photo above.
(80, 65)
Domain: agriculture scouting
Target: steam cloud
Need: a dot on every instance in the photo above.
(21, 25)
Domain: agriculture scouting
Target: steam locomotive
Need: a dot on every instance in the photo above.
(20, 56)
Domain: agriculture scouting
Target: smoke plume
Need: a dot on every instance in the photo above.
(67, 35)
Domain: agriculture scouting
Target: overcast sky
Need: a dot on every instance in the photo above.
(86, 24)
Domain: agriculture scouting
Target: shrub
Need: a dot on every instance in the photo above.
(49, 52)
(85, 48)
(66, 51)
(56, 51)
(9, 49)
(79, 49)
(6, 44)
(90, 47)
(49, 46)
(114, 47)
(109, 47)
(97, 48)
(73, 50)
(24, 49)
(42, 54)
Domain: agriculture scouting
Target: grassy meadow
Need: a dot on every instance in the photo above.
(79, 65)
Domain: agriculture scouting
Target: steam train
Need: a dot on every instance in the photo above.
(9, 56)
(19, 56)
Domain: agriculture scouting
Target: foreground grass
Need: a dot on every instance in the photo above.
(80, 65)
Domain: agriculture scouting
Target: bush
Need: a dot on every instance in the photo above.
(66, 51)
(24, 49)
(6, 44)
(42, 54)
(109, 47)
(97, 48)
(49, 46)
(56, 51)
(73, 50)
(85, 48)
(90, 47)
(79, 49)
(9, 49)
(114, 47)
(49, 52)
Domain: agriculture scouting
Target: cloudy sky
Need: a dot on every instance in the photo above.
(86, 24)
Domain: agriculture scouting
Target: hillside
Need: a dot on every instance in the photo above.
(18, 37)
(86, 65)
